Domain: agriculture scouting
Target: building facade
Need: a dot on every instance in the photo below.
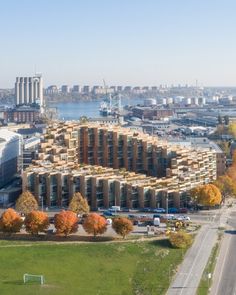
(103, 187)
(10, 155)
(29, 90)
(162, 167)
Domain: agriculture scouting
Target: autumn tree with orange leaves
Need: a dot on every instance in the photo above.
(36, 222)
(231, 171)
(10, 221)
(66, 223)
(226, 185)
(207, 195)
(122, 226)
(95, 224)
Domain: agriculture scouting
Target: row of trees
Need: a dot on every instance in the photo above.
(66, 223)
(27, 203)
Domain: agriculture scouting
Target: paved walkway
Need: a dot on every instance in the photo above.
(190, 271)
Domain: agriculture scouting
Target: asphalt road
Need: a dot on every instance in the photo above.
(224, 281)
(190, 271)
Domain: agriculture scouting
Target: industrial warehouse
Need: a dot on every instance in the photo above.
(111, 165)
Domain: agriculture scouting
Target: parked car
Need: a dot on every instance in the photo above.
(148, 222)
(101, 209)
(169, 216)
(159, 210)
(125, 209)
(107, 213)
(145, 210)
(131, 216)
(114, 208)
(183, 218)
(183, 210)
(173, 210)
(187, 218)
(143, 216)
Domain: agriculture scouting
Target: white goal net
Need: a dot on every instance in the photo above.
(33, 278)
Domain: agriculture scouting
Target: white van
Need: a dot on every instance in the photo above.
(114, 208)
(156, 221)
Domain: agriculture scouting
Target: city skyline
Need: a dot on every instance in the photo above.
(132, 43)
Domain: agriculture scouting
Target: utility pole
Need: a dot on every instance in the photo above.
(42, 202)
(167, 204)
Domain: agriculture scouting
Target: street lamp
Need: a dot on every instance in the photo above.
(41, 202)
(195, 203)
(167, 204)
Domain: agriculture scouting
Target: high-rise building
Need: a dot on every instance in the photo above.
(65, 89)
(119, 88)
(29, 90)
(52, 90)
(86, 89)
(76, 88)
(128, 88)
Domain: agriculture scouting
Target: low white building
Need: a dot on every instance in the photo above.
(10, 155)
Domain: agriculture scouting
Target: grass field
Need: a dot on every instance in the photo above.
(140, 268)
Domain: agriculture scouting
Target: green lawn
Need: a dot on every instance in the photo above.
(139, 268)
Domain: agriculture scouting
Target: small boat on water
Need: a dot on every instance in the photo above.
(105, 109)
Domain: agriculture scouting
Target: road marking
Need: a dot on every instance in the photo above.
(221, 269)
(199, 251)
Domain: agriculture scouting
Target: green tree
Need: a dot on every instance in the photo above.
(78, 204)
(26, 203)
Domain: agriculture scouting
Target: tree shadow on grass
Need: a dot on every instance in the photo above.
(231, 232)
(54, 238)
(164, 243)
(14, 282)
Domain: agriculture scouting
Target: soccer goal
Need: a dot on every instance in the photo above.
(33, 278)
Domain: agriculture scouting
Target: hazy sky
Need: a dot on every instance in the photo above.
(134, 42)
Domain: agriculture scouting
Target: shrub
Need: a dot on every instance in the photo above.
(180, 239)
